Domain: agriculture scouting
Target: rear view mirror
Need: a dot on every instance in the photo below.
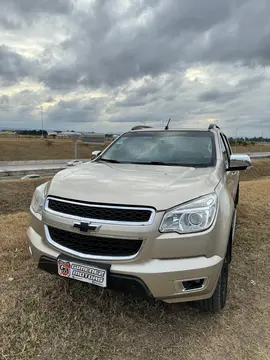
(239, 162)
(96, 153)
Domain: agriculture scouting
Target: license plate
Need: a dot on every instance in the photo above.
(87, 273)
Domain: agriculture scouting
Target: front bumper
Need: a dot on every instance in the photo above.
(160, 278)
(121, 283)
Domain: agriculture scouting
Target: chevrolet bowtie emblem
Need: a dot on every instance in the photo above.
(85, 227)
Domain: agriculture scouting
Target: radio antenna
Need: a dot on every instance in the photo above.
(168, 123)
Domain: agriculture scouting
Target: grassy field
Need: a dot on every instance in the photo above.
(41, 149)
(45, 317)
(258, 170)
(251, 148)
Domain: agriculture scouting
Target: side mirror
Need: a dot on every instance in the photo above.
(96, 153)
(239, 162)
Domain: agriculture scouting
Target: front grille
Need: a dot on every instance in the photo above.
(117, 214)
(93, 245)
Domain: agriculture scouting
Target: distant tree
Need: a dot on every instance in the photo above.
(32, 132)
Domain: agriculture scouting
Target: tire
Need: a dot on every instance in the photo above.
(218, 300)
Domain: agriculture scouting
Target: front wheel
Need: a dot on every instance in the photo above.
(218, 300)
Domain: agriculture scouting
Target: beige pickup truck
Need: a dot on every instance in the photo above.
(153, 214)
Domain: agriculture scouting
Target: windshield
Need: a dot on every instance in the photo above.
(174, 148)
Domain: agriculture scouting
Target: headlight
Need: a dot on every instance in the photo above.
(194, 216)
(39, 198)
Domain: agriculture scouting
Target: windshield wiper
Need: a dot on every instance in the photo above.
(111, 161)
(137, 162)
(151, 163)
(160, 163)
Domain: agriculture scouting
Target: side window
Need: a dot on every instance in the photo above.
(228, 145)
(224, 150)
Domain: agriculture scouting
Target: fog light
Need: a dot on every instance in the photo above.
(193, 284)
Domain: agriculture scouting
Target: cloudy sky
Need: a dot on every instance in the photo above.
(105, 65)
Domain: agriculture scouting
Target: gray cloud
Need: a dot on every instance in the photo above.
(75, 111)
(254, 80)
(151, 91)
(152, 59)
(109, 52)
(24, 99)
(34, 6)
(13, 67)
(49, 99)
(4, 100)
(17, 14)
(243, 38)
(110, 48)
(10, 22)
(266, 121)
(218, 95)
(27, 98)
(141, 119)
(61, 77)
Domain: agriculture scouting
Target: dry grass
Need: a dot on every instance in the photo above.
(251, 148)
(258, 170)
(41, 149)
(45, 317)
(16, 195)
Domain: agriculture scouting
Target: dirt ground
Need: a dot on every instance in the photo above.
(45, 317)
(12, 149)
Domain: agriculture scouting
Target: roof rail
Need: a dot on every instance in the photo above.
(139, 127)
(213, 126)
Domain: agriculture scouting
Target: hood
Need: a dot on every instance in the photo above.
(161, 187)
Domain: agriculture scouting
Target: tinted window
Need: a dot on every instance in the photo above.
(224, 150)
(228, 145)
(184, 148)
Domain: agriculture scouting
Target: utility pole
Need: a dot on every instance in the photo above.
(75, 138)
(262, 142)
(41, 113)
